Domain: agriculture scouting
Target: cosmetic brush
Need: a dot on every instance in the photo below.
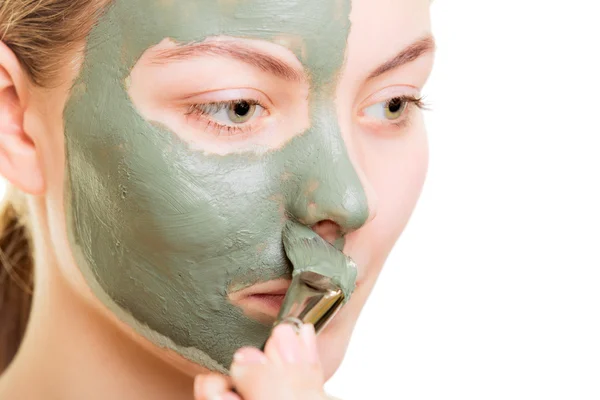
(323, 279)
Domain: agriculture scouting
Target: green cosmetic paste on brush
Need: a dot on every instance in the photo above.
(308, 252)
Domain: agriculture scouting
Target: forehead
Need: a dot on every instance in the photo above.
(315, 30)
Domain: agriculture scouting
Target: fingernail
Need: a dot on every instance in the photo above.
(287, 343)
(309, 338)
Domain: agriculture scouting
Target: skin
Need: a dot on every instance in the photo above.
(102, 348)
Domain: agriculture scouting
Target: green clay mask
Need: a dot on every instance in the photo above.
(162, 231)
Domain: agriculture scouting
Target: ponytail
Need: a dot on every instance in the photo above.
(16, 276)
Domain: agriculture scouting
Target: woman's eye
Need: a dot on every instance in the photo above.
(229, 113)
(239, 112)
(390, 110)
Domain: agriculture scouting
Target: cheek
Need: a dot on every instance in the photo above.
(396, 171)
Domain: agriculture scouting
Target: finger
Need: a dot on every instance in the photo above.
(313, 370)
(309, 339)
(250, 371)
(210, 387)
(255, 377)
(284, 373)
(284, 346)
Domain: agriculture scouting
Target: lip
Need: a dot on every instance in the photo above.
(262, 301)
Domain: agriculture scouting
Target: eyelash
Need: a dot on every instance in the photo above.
(418, 102)
(203, 111)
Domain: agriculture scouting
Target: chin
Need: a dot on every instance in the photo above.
(333, 343)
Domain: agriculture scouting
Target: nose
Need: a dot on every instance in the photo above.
(331, 192)
(329, 195)
(328, 230)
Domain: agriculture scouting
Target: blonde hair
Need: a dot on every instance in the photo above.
(41, 34)
(16, 275)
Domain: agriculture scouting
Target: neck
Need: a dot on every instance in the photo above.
(73, 351)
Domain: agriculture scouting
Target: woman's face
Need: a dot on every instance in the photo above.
(194, 129)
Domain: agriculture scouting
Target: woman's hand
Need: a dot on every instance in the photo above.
(289, 369)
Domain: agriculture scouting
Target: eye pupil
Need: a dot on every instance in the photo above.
(395, 105)
(241, 108)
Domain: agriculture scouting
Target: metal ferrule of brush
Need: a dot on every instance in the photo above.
(311, 299)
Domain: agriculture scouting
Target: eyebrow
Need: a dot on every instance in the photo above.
(253, 57)
(410, 53)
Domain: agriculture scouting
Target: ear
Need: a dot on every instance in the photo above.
(19, 161)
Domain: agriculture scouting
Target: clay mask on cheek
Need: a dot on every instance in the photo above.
(161, 231)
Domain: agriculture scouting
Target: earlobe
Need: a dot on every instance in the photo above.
(19, 161)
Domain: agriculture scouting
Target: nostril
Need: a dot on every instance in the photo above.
(328, 230)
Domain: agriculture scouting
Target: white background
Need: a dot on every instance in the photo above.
(493, 291)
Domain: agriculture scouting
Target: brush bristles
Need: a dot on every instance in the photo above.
(309, 252)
